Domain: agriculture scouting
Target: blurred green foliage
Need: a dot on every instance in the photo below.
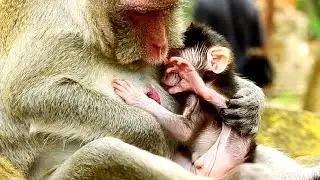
(188, 9)
(312, 7)
(288, 100)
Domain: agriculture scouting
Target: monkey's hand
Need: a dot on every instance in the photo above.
(190, 79)
(244, 108)
(130, 94)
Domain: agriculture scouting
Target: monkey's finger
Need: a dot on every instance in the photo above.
(118, 81)
(244, 102)
(166, 61)
(120, 88)
(123, 84)
(238, 113)
(175, 90)
(228, 114)
(129, 84)
(238, 120)
(248, 124)
(121, 94)
(182, 62)
(244, 125)
(173, 59)
(243, 129)
(242, 93)
(173, 69)
(176, 60)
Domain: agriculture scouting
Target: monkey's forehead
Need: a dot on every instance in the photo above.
(197, 56)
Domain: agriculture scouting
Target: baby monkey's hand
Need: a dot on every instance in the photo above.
(130, 94)
(190, 79)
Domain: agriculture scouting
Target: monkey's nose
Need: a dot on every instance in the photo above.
(159, 47)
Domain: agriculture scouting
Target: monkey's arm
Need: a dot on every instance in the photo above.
(245, 107)
(63, 106)
(110, 158)
(179, 126)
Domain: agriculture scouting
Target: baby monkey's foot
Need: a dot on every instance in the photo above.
(130, 94)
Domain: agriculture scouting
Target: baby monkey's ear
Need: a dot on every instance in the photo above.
(219, 58)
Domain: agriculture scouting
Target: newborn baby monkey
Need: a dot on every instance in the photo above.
(202, 74)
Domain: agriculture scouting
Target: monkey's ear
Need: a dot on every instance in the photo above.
(219, 58)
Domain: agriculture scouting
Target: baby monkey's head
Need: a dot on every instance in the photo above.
(209, 52)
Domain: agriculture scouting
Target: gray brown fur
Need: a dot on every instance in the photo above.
(58, 59)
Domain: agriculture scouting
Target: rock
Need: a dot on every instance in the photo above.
(309, 160)
(289, 51)
(296, 133)
(312, 98)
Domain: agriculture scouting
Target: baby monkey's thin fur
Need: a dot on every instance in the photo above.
(199, 115)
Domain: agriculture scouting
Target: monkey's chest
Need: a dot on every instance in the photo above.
(144, 80)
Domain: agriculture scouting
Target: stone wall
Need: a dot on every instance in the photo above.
(289, 51)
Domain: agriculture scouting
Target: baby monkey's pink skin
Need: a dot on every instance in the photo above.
(215, 149)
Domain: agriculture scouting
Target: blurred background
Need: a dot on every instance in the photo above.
(277, 45)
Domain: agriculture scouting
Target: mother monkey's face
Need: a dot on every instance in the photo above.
(141, 30)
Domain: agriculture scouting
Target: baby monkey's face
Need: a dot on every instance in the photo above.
(208, 62)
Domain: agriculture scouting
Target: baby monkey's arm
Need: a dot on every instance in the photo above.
(193, 82)
(178, 126)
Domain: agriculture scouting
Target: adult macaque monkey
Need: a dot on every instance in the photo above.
(58, 61)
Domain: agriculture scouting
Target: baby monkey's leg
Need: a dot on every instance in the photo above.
(229, 151)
